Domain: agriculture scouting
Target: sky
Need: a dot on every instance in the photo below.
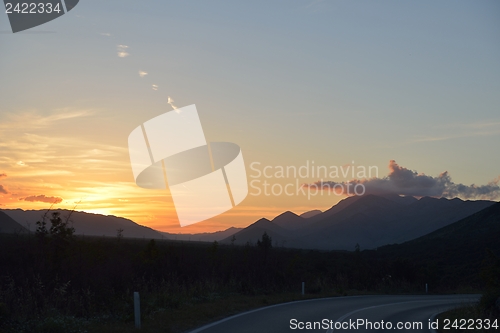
(408, 90)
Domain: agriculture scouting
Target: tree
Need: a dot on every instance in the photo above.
(266, 243)
(150, 253)
(119, 234)
(58, 228)
(41, 229)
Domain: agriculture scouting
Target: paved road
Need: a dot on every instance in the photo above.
(346, 311)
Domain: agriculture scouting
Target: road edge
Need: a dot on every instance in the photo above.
(199, 329)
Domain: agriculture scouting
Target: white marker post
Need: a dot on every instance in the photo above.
(426, 289)
(137, 310)
(303, 288)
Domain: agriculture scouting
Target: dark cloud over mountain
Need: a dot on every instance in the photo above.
(403, 181)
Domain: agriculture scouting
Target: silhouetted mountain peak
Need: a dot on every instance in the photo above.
(371, 200)
(261, 221)
(286, 215)
(402, 199)
(430, 199)
(289, 220)
(311, 213)
(370, 220)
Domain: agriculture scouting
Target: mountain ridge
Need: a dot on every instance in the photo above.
(370, 221)
(9, 225)
(92, 224)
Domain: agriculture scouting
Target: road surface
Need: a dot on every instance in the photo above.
(342, 314)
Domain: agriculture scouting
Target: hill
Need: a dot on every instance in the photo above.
(454, 250)
(9, 225)
(370, 221)
(310, 213)
(88, 224)
(289, 220)
(105, 225)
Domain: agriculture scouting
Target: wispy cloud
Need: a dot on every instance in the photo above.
(462, 130)
(34, 120)
(122, 51)
(476, 125)
(40, 155)
(107, 34)
(143, 73)
(171, 102)
(32, 149)
(403, 181)
(42, 198)
(3, 190)
(154, 86)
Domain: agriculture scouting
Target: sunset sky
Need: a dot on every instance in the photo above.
(409, 88)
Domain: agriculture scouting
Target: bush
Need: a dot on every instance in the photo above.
(490, 301)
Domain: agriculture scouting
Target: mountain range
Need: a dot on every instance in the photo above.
(370, 221)
(85, 223)
(18, 220)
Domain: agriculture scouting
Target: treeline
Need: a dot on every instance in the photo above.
(54, 272)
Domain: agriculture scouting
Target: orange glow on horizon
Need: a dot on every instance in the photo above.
(38, 168)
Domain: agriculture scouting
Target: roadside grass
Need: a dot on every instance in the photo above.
(191, 315)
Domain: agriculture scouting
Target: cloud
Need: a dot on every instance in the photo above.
(122, 51)
(34, 120)
(155, 87)
(42, 198)
(3, 190)
(143, 73)
(107, 34)
(403, 181)
(467, 130)
(21, 152)
(477, 125)
(171, 102)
